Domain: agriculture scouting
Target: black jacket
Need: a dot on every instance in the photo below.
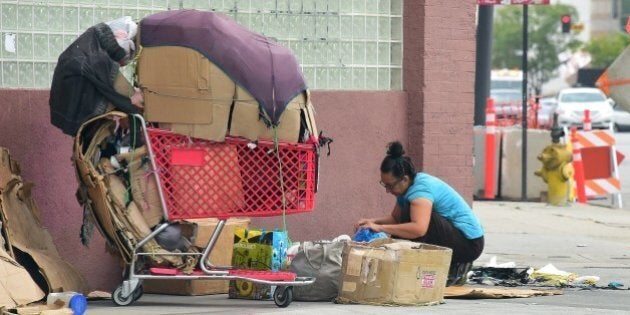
(83, 81)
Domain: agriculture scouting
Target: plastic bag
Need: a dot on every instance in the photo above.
(367, 235)
(125, 31)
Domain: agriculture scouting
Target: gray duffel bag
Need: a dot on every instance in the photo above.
(321, 260)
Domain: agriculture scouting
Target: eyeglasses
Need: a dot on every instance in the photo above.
(390, 186)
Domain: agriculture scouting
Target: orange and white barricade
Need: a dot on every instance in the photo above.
(599, 160)
(491, 130)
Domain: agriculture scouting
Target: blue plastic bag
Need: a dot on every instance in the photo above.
(367, 235)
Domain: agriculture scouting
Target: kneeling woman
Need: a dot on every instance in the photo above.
(428, 210)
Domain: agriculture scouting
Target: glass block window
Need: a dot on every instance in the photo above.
(340, 44)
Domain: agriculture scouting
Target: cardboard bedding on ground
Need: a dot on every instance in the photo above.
(30, 266)
(465, 292)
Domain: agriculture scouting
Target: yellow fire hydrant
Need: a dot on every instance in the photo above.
(557, 169)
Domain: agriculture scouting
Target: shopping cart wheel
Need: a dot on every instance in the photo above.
(283, 296)
(137, 294)
(120, 300)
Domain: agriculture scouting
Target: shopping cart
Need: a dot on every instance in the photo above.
(205, 179)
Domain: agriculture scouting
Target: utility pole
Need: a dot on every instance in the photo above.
(483, 62)
(524, 106)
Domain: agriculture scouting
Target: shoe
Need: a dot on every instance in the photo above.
(458, 274)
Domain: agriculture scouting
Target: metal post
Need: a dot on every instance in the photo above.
(524, 107)
(483, 64)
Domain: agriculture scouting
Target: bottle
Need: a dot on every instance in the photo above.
(73, 300)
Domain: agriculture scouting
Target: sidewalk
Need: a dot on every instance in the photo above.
(583, 239)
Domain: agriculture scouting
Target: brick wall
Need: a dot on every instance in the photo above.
(439, 75)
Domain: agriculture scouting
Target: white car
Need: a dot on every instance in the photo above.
(622, 119)
(546, 108)
(573, 101)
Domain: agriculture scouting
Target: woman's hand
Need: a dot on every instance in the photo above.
(368, 224)
(137, 99)
(373, 226)
(362, 223)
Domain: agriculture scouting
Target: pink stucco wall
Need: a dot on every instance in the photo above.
(433, 117)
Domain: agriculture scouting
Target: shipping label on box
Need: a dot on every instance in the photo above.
(259, 249)
(394, 272)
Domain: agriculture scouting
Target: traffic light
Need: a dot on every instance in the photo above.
(566, 23)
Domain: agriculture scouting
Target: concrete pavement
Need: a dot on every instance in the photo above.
(583, 239)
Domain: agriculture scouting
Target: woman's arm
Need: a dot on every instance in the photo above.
(388, 219)
(420, 212)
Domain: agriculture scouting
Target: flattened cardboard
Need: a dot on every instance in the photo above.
(400, 275)
(16, 285)
(28, 235)
(246, 123)
(143, 186)
(309, 113)
(182, 86)
(221, 255)
(44, 310)
(494, 293)
(175, 105)
(97, 191)
(22, 225)
(122, 86)
(215, 131)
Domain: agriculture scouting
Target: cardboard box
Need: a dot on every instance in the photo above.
(210, 131)
(393, 272)
(250, 291)
(221, 255)
(246, 119)
(185, 287)
(222, 252)
(259, 249)
(181, 86)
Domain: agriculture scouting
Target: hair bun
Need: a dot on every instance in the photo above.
(395, 149)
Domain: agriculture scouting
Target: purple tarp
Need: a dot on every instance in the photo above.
(268, 71)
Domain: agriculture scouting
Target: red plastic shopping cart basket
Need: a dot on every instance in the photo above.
(202, 179)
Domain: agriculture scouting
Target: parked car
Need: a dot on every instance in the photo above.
(547, 106)
(573, 101)
(507, 102)
(621, 119)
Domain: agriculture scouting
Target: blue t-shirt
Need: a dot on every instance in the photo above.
(446, 202)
